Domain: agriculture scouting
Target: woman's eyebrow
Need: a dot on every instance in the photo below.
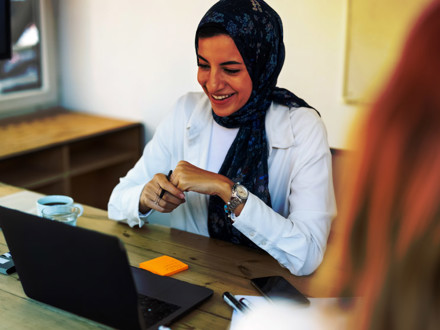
(231, 63)
(202, 58)
(224, 63)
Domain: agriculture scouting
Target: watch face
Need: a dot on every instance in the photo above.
(241, 191)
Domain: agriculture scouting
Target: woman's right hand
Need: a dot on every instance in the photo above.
(150, 197)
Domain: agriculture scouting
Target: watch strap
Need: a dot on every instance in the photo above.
(234, 202)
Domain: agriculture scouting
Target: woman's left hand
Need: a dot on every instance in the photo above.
(188, 177)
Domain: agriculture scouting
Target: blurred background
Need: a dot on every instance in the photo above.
(133, 59)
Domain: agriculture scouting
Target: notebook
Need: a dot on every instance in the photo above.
(87, 273)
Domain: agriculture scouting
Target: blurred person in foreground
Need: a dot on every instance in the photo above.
(388, 233)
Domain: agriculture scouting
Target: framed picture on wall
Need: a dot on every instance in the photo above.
(375, 33)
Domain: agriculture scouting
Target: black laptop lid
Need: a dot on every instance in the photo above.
(52, 262)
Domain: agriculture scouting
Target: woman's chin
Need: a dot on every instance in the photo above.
(223, 112)
(225, 109)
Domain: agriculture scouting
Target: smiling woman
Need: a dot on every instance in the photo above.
(251, 163)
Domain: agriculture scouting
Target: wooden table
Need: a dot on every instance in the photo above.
(216, 264)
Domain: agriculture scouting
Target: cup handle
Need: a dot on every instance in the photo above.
(80, 208)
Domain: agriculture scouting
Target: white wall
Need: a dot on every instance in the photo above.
(133, 59)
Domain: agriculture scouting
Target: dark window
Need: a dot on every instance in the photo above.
(24, 70)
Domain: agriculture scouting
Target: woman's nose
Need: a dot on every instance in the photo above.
(214, 81)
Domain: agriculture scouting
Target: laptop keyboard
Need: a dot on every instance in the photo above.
(155, 310)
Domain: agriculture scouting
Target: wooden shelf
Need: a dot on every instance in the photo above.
(69, 153)
(33, 182)
(99, 160)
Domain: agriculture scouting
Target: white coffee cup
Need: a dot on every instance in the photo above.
(56, 200)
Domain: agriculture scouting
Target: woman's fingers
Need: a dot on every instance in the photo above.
(161, 195)
(168, 202)
(188, 177)
(171, 189)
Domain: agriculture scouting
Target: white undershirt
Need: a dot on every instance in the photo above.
(221, 141)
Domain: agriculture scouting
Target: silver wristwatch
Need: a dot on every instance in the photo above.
(239, 196)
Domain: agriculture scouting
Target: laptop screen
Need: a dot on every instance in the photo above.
(88, 273)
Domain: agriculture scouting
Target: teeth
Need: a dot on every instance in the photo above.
(220, 97)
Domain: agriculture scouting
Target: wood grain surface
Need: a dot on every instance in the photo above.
(218, 265)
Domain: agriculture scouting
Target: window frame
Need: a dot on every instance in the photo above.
(26, 101)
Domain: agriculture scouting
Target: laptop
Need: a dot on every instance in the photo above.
(87, 273)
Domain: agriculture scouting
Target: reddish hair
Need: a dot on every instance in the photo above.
(390, 219)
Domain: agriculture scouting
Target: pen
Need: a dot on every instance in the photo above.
(233, 302)
(168, 178)
(245, 303)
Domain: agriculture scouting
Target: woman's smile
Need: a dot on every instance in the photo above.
(221, 100)
(221, 97)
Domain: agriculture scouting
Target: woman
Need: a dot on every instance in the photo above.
(251, 162)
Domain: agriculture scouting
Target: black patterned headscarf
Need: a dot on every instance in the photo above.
(258, 35)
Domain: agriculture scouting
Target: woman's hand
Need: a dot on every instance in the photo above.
(188, 177)
(151, 195)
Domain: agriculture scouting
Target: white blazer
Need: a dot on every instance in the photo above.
(295, 230)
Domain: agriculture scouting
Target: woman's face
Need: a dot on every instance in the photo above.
(223, 74)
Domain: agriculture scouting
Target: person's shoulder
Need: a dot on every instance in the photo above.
(298, 118)
(297, 125)
(192, 108)
(303, 114)
(192, 100)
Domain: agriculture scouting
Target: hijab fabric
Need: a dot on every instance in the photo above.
(258, 35)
